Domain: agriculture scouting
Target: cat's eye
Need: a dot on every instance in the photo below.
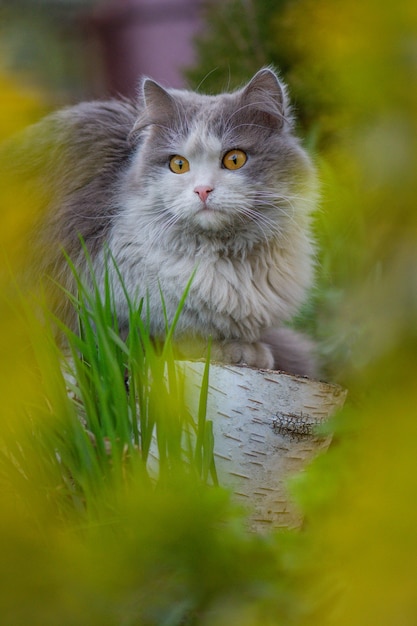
(179, 164)
(234, 159)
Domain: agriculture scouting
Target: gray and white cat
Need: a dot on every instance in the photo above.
(177, 182)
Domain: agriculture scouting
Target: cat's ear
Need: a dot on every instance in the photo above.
(159, 105)
(156, 106)
(267, 95)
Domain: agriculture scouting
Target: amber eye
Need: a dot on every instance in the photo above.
(234, 159)
(179, 164)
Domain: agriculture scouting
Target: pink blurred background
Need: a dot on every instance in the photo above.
(131, 38)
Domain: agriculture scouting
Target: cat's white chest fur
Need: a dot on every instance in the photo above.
(228, 297)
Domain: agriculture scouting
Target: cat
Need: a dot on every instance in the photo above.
(178, 182)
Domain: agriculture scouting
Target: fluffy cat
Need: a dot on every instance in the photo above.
(177, 182)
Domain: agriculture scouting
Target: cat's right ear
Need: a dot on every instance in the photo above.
(156, 99)
(159, 106)
(156, 106)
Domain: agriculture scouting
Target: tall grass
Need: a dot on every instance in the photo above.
(123, 412)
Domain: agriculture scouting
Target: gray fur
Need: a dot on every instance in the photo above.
(105, 166)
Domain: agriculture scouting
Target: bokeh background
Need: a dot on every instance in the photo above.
(352, 71)
(93, 48)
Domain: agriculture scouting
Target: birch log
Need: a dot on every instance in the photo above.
(265, 431)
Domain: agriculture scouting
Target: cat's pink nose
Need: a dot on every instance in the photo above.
(203, 191)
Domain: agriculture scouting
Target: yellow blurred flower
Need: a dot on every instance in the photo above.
(20, 106)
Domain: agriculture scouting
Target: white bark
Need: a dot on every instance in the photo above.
(265, 428)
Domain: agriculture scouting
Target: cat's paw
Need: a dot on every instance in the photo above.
(255, 354)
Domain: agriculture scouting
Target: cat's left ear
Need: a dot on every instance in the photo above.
(268, 95)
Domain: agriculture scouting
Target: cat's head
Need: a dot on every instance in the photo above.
(221, 164)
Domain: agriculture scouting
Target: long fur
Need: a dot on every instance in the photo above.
(103, 171)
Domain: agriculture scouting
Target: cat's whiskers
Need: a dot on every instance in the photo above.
(305, 198)
(274, 204)
(295, 201)
(203, 80)
(279, 202)
(268, 228)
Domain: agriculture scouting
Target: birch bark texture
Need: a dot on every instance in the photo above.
(265, 426)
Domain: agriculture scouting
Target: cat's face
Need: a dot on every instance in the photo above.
(201, 184)
(224, 163)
